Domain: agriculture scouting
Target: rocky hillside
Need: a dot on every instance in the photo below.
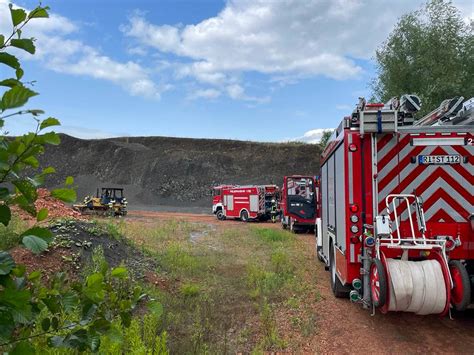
(174, 171)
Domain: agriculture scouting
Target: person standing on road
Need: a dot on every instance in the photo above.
(274, 210)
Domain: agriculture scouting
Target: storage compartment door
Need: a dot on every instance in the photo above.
(230, 202)
(253, 203)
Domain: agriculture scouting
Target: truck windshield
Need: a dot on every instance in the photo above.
(303, 187)
(216, 192)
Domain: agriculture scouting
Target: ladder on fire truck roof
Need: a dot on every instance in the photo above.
(380, 118)
(448, 109)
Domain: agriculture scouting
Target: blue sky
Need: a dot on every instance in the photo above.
(251, 70)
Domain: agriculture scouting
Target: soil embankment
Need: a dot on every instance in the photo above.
(174, 172)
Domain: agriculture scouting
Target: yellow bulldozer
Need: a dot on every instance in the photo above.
(109, 202)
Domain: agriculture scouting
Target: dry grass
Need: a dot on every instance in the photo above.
(231, 287)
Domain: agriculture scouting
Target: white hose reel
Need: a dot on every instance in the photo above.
(416, 286)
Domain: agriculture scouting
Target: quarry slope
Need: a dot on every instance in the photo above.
(174, 171)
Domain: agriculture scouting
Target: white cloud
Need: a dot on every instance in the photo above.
(205, 94)
(60, 53)
(287, 40)
(313, 136)
(85, 133)
(140, 51)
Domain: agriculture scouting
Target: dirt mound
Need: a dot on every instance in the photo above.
(174, 171)
(56, 208)
(72, 250)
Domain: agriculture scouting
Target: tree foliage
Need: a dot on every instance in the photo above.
(74, 316)
(325, 138)
(429, 53)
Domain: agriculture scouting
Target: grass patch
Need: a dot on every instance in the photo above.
(227, 287)
(190, 290)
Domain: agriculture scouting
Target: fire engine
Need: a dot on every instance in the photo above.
(253, 202)
(298, 202)
(397, 207)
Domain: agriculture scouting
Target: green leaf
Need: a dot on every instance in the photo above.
(9, 60)
(19, 73)
(69, 181)
(119, 272)
(31, 161)
(43, 233)
(2, 40)
(7, 324)
(19, 271)
(42, 214)
(4, 193)
(6, 263)
(126, 318)
(45, 324)
(16, 97)
(5, 215)
(35, 275)
(93, 342)
(49, 170)
(88, 311)
(100, 325)
(25, 43)
(55, 341)
(27, 189)
(66, 195)
(51, 138)
(10, 82)
(25, 205)
(23, 348)
(95, 280)
(156, 308)
(52, 302)
(39, 12)
(49, 122)
(34, 244)
(94, 290)
(69, 301)
(55, 323)
(18, 15)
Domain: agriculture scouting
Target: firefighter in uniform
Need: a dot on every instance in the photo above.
(274, 210)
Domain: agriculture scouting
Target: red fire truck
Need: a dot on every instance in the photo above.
(298, 203)
(397, 207)
(246, 203)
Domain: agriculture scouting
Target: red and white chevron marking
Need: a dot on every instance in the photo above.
(447, 190)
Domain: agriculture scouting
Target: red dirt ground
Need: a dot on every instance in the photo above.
(55, 207)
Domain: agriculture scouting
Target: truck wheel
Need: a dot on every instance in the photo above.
(461, 292)
(338, 289)
(378, 283)
(244, 216)
(220, 215)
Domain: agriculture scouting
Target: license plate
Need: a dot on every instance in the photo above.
(439, 159)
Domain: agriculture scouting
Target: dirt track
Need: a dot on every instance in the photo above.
(343, 327)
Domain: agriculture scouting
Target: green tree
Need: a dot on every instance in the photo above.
(430, 53)
(325, 138)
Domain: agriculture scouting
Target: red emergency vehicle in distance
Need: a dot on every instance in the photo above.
(246, 203)
(298, 203)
